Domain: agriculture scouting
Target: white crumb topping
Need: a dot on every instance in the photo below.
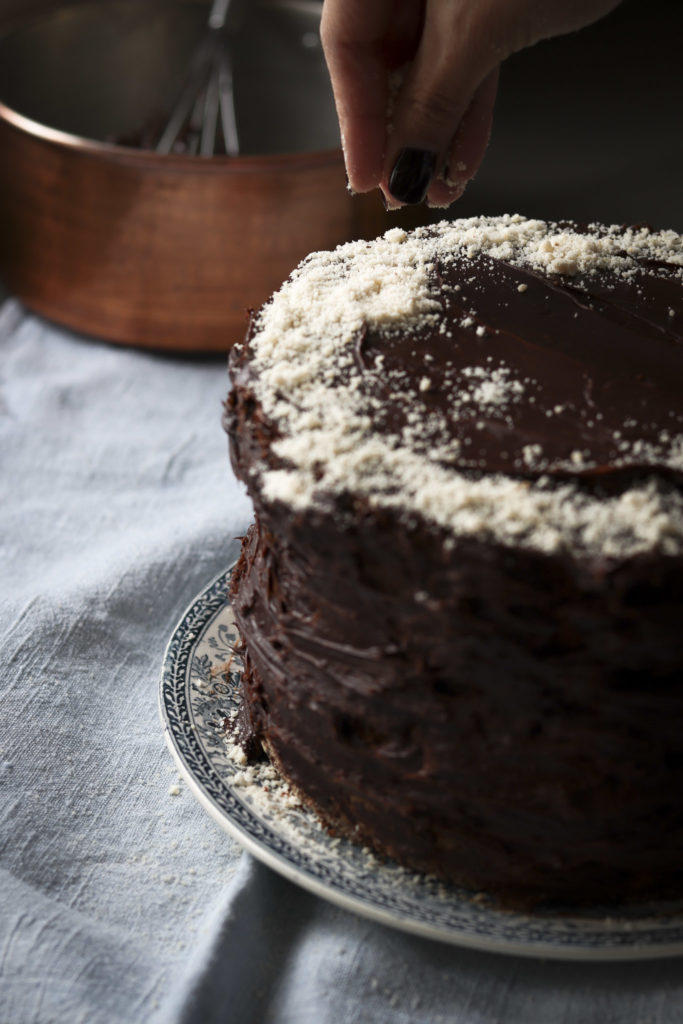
(308, 381)
(260, 784)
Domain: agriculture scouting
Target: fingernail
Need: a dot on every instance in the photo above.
(412, 174)
(445, 196)
(390, 204)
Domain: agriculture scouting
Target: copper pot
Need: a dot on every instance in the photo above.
(166, 251)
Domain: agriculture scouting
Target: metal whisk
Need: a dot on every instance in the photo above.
(203, 118)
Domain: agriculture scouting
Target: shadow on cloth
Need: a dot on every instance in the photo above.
(273, 952)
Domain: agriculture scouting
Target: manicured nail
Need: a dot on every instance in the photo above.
(412, 175)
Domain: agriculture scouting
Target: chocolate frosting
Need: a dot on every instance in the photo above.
(599, 358)
(509, 719)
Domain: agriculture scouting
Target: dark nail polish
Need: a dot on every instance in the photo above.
(412, 175)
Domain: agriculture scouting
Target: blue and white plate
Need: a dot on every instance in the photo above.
(200, 690)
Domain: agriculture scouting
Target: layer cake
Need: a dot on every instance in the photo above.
(462, 597)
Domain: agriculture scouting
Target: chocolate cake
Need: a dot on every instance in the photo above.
(462, 597)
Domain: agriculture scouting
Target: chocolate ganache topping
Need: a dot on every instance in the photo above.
(535, 374)
(489, 374)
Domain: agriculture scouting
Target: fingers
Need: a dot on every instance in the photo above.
(363, 40)
(468, 146)
(426, 137)
(443, 114)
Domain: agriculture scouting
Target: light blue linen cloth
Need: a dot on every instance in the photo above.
(121, 902)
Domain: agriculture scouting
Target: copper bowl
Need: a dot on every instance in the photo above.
(164, 251)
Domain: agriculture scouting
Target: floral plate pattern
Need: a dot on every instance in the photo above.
(199, 690)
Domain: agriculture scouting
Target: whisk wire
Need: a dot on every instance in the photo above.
(206, 97)
(219, 13)
(227, 106)
(210, 118)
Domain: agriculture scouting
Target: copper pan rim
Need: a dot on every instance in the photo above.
(242, 164)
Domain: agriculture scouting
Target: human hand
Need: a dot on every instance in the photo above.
(415, 84)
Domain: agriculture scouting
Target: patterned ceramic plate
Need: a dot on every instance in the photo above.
(199, 691)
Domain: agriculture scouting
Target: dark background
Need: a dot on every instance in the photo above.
(588, 126)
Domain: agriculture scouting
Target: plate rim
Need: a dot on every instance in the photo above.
(187, 625)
